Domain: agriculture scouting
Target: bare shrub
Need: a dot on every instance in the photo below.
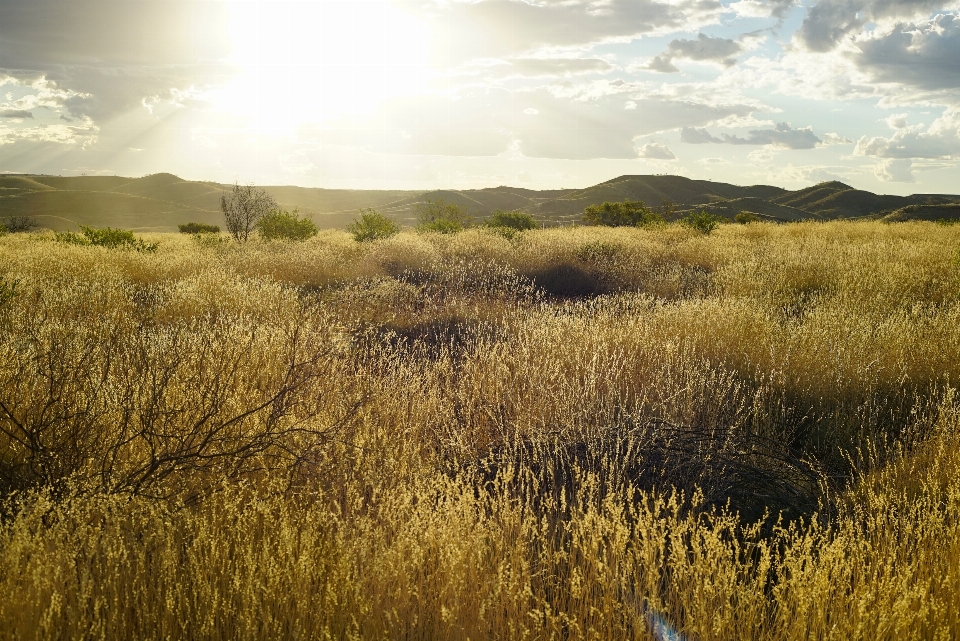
(243, 208)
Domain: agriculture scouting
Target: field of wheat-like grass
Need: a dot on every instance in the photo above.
(581, 433)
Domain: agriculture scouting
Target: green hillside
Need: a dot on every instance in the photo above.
(160, 202)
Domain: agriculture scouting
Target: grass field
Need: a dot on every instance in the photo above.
(580, 433)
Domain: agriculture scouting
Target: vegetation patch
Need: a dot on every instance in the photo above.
(285, 225)
(451, 436)
(372, 225)
(108, 237)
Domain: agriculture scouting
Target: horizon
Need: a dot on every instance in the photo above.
(414, 189)
(420, 95)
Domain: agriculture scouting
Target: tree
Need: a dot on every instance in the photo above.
(285, 225)
(629, 213)
(243, 207)
(704, 222)
(372, 225)
(516, 220)
(438, 216)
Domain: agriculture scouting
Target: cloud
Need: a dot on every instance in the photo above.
(15, 113)
(589, 123)
(940, 140)
(542, 67)
(896, 121)
(830, 139)
(704, 48)
(107, 55)
(502, 28)
(762, 8)
(661, 63)
(922, 55)
(656, 151)
(830, 21)
(82, 135)
(894, 170)
(783, 136)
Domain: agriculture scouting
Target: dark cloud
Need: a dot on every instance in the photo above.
(926, 56)
(15, 113)
(783, 136)
(829, 21)
(720, 50)
(112, 53)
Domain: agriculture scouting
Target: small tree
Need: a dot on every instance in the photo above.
(372, 225)
(517, 220)
(286, 225)
(438, 216)
(746, 217)
(629, 213)
(16, 224)
(243, 207)
(704, 222)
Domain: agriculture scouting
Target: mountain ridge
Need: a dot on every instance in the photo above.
(159, 202)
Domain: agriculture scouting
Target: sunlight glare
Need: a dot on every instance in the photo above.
(312, 61)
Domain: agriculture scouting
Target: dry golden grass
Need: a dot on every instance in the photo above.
(314, 440)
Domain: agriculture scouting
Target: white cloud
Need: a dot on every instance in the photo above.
(894, 170)
(83, 135)
(830, 139)
(762, 8)
(656, 151)
(829, 22)
(940, 140)
(896, 121)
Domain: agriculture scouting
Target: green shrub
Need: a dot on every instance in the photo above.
(106, 237)
(746, 217)
(17, 224)
(372, 225)
(441, 217)
(704, 222)
(629, 213)
(947, 222)
(517, 220)
(285, 225)
(198, 228)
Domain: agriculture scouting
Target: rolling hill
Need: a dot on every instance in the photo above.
(160, 202)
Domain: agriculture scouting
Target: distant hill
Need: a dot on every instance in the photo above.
(947, 211)
(162, 201)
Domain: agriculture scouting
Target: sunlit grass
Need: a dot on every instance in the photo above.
(409, 486)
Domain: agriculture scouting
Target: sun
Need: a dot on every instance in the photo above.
(315, 61)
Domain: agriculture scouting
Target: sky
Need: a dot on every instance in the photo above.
(542, 94)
